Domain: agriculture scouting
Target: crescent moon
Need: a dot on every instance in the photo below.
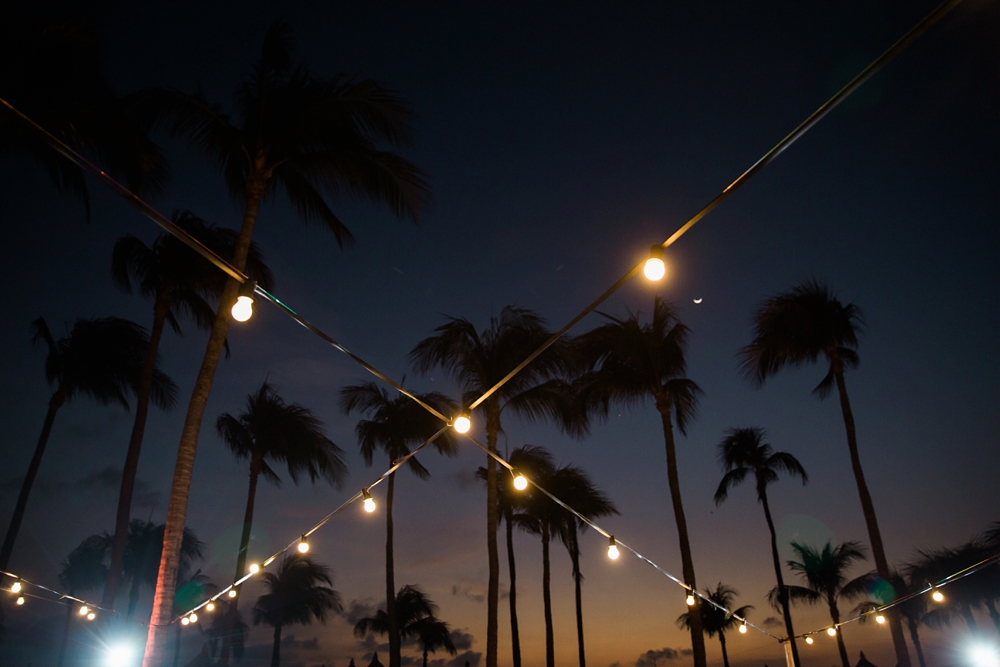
(698, 300)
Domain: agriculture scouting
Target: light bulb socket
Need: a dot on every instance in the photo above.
(303, 544)
(248, 288)
(656, 252)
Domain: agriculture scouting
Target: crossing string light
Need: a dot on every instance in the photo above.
(20, 586)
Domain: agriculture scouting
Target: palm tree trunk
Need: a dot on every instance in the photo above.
(131, 467)
(687, 563)
(835, 617)
(574, 554)
(493, 589)
(550, 647)
(425, 657)
(915, 638)
(276, 651)
(56, 402)
(256, 465)
(166, 580)
(782, 591)
(65, 638)
(390, 581)
(725, 654)
(868, 509)
(515, 637)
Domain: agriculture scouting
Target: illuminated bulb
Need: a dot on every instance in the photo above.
(743, 628)
(937, 596)
(91, 616)
(880, 619)
(193, 617)
(15, 587)
(303, 545)
(654, 268)
(369, 503)
(210, 607)
(254, 568)
(831, 631)
(243, 309)
(84, 610)
(520, 482)
(232, 592)
(185, 621)
(689, 600)
(613, 549)
(20, 600)
(462, 423)
(809, 640)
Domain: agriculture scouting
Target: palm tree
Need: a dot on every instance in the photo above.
(396, 424)
(100, 358)
(478, 361)
(191, 590)
(271, 430)
(417, 620)
(741, 453)
(962, 595)
(799, 327)
(178, 281)
(714, 621)
(298, 133)
(83, 570)
(141, 558)
(912, 611)
(512, 505)
(53, 73)
(825, 574)
(296, 593)
(633, 361)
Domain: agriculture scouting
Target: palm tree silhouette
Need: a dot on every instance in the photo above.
(82, 570)
(799, 327)
(743, 453)
(301, 134)
(179, 282)
(825, 574)
(396, 424)
(296, 593)
(714, 621)
(633, 361)
(271, 430)
(912, 611)
(100, 358)
(512, 505)
(191, 590)
(53, 73)
(963, 595)
(417, 620)
(478, 361)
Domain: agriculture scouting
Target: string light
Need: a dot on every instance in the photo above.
(210, 607)
(243, 308)
(303, 545)
(937, 595)
(254, 568)
(185, 621)
(743, 628)
(689, 600)
(880, 619)
(16, 587)
(612, 548)
(91, 616)
(232, 592)
(655, 268)
(809, 639)
(520, 481)
(369, 502)
(20, 600)
(462, 423)
(832, 631)
(193, 617)
(84, 610)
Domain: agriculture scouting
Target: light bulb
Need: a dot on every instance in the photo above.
(938, 596)
(462, 423)
(210, 607)
(743, 628)
(369, 503)
(809, 640)
(232, 592)
(689, 600)
(254, 568)
(520, 482)
(243, 309)
(831, 631)
(15, 587)
(91, 616)
(303, 545)
(84, 610)
(193, 617)
(655, 268)
(612, 549)
(880, 619)
(185, 621)
(20, 599)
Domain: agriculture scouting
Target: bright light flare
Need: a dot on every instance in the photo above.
(119, 656)
(462, 424)
(243, 309)
(984, 655)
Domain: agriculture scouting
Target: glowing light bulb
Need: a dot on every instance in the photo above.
(689, 600)
(743, 628)
(232, 592)
(254, 568)
(613, 549)
(210, 607)
(655, 268)
(84, 610)
(937, 596)
(20, 600)
(831, 631)
(369, 503)
(243, 309)
(193, 617)
(809, 640)
(880, 619)
(15, 587)
(303, 545)
(185, 621)
(462, 423)
(520, 482)
(91, 616)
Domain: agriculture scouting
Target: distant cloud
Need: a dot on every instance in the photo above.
(464, 479)
(469, 591)
(471, 657)
(110, 479)
(290, 642)
(358, 609)
(462, 639)
(652, 658)
(772, 622)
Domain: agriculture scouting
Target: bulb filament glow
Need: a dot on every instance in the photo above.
(743, 628)
(369, 503)
(15, 587)
(613, 548)
(655, 268)
(243, 309)
(831, 631)
(809, 640)
(462, 423)
(303, 545)
(689, 600)
(254, 568)
(520, 482)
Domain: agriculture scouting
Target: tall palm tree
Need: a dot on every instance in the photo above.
(396, 424)
(100, 358)
(296, 593)
(83, 570)
(271, 430)
(512, 505)
(54, 74)
(799, 327)
(480, 360)
(632, 362)
(743, 453)
(714, 621)
(825, 574)
(179, 282)
(573, 487)
(417, 620)
(298, 133)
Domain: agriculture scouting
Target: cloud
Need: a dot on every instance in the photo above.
(110, 479)
(290, 642)
(464, 480)
(358, 609)
(462, 639)
(472, 658)
(772, 622)
(469, 591)
(652, 658)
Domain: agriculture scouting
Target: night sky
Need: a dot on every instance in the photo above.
(562, 140)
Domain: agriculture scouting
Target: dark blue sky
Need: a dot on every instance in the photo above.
(561, 141)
